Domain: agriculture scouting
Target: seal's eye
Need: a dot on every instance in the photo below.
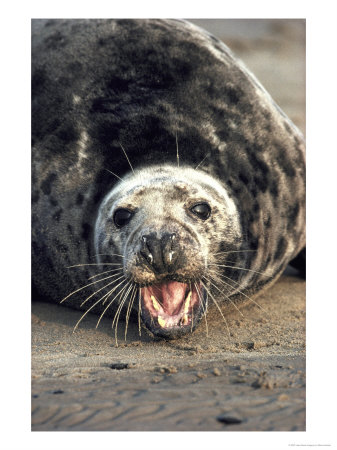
(202, 210)
(122, 217)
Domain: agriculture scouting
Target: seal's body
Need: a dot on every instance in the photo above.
(160, 162)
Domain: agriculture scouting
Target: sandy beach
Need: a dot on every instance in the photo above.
(247, 374)
(255, 376)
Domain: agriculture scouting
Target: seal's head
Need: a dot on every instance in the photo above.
(167, 223)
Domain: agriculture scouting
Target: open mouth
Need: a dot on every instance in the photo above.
(172, 308)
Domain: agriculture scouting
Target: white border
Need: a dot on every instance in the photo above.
(321, 292)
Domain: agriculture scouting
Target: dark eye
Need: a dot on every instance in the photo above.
(122, 217)
(202, 210)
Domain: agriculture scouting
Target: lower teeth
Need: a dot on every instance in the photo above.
(185, 320)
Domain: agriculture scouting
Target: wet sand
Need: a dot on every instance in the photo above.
(250, 379)
(255, 375)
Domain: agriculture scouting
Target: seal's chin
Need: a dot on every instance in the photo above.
(172, 309)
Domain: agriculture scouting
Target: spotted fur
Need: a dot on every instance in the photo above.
(148, 84)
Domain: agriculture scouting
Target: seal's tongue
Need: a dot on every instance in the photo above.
(170, 295)
(170, 305)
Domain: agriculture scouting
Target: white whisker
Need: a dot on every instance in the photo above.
(96, 264)
(139, 311)
(216, 304)
(200, 163)
(234, 251)
(107, 254)
(203, 308)
(103, 273)
(87, 285)
(133, 295)
(109, 284)
(231, 301)
(121, 304)
(109, 304)
(240, 292)
(238, 268)
(177, 149)
(115, 175)
(191, 310)
(127, 157)
(87, 311)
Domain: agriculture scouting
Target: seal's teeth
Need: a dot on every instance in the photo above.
(187, 302)
(161, 321)
(155, 303)
(185, 320)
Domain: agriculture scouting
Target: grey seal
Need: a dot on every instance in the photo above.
(163, 174)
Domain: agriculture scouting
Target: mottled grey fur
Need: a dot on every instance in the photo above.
(162, 197)
(148, 84)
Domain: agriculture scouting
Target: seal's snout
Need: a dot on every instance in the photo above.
(172, 303)
(161, 253)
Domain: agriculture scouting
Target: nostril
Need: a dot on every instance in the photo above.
(169, 251)
(159, 252)
(145, 251)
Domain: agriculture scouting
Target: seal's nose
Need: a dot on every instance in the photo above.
(160, 253)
